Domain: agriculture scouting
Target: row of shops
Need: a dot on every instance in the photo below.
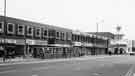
(41, 49)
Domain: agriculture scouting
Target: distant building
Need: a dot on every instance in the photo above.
(131, 47)
(116, 43)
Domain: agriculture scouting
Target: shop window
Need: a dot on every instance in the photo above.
(29, 30)
(1, 26)
(21, 29)
(38, 32)
(10, 28)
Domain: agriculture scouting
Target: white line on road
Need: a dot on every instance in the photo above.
(133, 74)
(1, 68)
(34, 75)
(130, 71)
(9, 71)
(57, 60)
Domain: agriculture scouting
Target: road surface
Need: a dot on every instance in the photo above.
(87, 66)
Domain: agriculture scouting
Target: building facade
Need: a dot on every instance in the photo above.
(27, 38)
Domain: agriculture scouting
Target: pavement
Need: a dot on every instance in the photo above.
(20, 60)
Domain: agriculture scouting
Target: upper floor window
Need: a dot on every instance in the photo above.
(57, 34)
(1, 26)
(10, 28)
(38, 32)
(51, 33)
(21, 29)
(29, 30)
(60, 35)
(45, 32)
(63, 35)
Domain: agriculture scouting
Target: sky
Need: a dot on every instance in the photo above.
(77, 14)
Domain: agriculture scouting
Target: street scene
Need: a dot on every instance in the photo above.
(67, 38)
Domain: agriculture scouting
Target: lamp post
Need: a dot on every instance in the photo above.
(5, 51)
(97, 30)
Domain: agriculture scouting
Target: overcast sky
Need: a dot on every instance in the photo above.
(77, 14)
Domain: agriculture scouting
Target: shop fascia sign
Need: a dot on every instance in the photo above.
(30, 42)
(61, 45)
(20, 41)
(97, 45)
(40, 42)
(13, 41)
(10, 41)
(87, 44)
(36, 42)
(2, 40)
(77, 43)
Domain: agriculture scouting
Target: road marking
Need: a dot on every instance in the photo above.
(34, 75)
(130, 71)
(133, 74)
(40, 68)
(8, 71)
(59, 60)
(95, 74)
(5, 68)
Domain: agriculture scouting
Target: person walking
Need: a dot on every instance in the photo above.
(5, 55)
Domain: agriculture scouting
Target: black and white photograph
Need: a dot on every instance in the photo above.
(67, 38)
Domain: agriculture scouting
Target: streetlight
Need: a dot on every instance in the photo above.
(5, 8)
(97, 24)
(95, 40)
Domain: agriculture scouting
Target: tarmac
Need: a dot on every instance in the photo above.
(20, 60)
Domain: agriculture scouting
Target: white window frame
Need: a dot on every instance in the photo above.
(13, 32)
(2, 29)
(19, 33)
(37, 28)
(28, 30)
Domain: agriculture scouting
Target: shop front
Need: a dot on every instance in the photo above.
(60, 50)
(2, 46)
(35, 48)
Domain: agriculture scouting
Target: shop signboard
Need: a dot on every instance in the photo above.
(77, 43)
(20, 42)
(12, 41)
(30, 42)
(40, 42)
(100, 45)
(36, 42)
(2, 40)
(87, 44)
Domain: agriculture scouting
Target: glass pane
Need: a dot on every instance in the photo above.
(45, 32)
(0, 25)
(10, 27)
(20, 29)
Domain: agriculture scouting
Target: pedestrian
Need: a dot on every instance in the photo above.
(5, 55)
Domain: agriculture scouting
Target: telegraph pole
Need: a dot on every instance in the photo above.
(5, 11)
(97, 30)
